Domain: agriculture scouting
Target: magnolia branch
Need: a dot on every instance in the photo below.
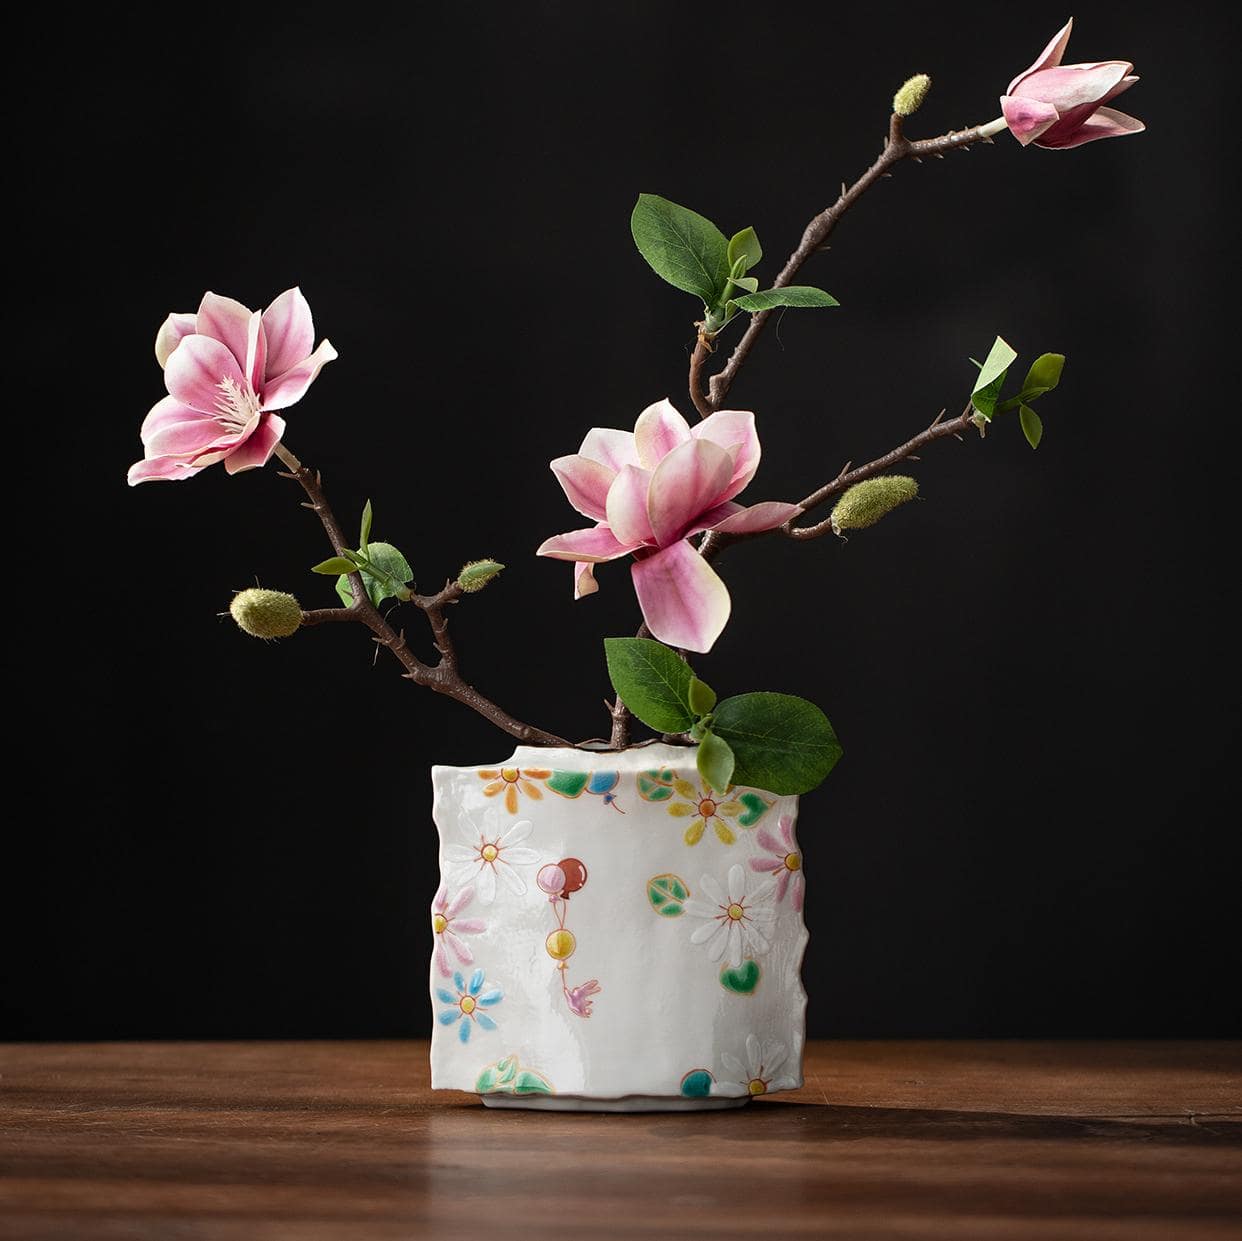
(441, 676)
(896, 148)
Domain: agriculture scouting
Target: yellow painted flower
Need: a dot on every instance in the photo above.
(704, 807)
(509, 780)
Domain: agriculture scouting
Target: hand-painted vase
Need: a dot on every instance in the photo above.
(612, 935)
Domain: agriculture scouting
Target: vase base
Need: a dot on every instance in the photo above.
(627, 1103)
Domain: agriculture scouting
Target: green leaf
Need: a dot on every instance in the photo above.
(749, 283)
(389, 581)
(1044, 375)
(715, 760)
(682, 247)
(701, 696)
(652, 681)
(991, 378)
(781, 743)
(365, 532)
(1032, 426)
(745, 245)
(800, 295)
(667, 894)
(334, 564)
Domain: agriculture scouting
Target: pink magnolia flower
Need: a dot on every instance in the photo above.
(1058, 106)
(579, 997)
(648, 492)
(226, 369)
(448, 927)
(783, 863)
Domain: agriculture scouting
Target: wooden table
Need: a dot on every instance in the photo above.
(309, 1141)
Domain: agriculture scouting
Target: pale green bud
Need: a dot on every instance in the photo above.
(266, 613)
(909, 99)
(866, 502)
(475, 575)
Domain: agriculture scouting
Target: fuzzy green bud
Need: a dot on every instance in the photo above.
(909, 99)
(266, 613)
(477, 573)
(866, 502)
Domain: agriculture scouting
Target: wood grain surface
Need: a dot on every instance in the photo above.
(311, 1141)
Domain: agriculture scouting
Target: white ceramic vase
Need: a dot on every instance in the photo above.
(609, 935)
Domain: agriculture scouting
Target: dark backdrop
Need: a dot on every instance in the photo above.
(1032, 670)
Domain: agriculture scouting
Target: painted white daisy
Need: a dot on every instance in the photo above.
(487, 857)
(762, 1070)
(735, 924)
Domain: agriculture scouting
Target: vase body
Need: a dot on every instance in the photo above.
(610, 934)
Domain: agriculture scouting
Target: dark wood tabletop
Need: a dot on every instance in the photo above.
(317, 1140)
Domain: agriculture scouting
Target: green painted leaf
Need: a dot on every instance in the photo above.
(743, 980)
(756, 808)
(682, 247)
(701, 696)
(666, 894)
(655, 785)
(781, 743)
(486, 1080)
(653, 681)
(715, 760)
(697, 1084)
(744, 245)
(334, 564)
(800, 295)
(364, 532)
(395, 573)
(1044, 375)
(530, 1082)
(506, 1069)
(1032, 425)
(568, 783)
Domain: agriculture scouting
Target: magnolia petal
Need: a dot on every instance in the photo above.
(189, 438)
(584, 580)
(167, 412)
(592, 546)
(585, 484)
(766, 515)
(1104, 123)
(289, 387)
(1074, 85)
(290, 332)
(692, 478)
(1027, 118)
(734, 430)
(160, 469)
(256, 351)
(684, 602)
(228, 443)
(659, 429)
(226, 320)
(1050, 57)
(170, 335)
(195, 370)
(627, 506)
(609, 447)
(258, 447)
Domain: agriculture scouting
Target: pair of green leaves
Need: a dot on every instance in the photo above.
(1044, 375)
(386, 573)
(776, 742)
(693, 255)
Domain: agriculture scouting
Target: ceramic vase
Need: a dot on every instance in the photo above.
(611, 935)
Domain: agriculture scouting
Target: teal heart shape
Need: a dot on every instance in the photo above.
(741, 981)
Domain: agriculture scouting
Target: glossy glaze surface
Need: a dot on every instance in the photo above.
(625, 932)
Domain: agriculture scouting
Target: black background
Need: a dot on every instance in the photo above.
(1032, 832)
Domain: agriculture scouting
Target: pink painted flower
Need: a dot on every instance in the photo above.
(448, 927)
(1058, 106)
(226, 369)
(648, 492)
(783, 863)
(579, 997)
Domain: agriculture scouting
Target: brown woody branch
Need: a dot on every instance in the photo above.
(896, 148)
(441, 676)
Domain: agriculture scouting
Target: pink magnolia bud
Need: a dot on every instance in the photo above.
(1058, 106)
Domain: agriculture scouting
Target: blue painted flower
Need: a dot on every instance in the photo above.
(467, 1004)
